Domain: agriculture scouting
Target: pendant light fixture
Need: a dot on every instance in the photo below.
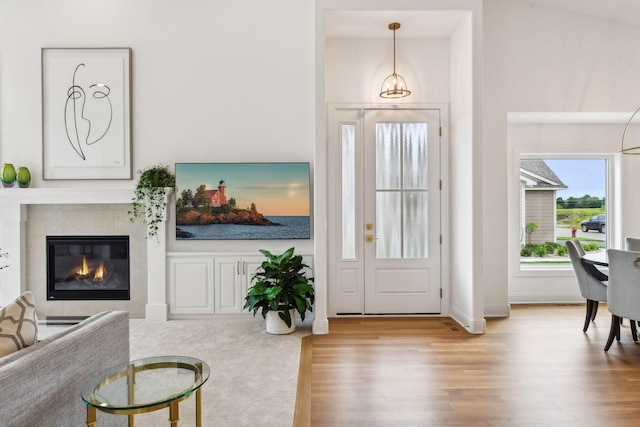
(629, 150)
(394, 85)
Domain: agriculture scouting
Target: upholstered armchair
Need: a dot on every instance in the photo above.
(623, 291)
(632, 244)
(592, 289)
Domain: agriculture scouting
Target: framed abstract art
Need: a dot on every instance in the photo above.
(86, 113)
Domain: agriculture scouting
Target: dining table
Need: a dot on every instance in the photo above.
(596, 258)
(593, 261)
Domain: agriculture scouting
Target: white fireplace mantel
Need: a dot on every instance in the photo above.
(70, 196)
(13, 217)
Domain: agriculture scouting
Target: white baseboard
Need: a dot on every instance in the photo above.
(320, 326)
(156, 312)
(497, 310)
(545, 299)
(472, 326)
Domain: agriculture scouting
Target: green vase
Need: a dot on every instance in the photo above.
(24, 177)
(8, 177)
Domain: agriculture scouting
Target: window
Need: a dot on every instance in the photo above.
(561, 198)
(348, 143)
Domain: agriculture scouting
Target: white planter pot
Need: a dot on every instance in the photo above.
(276, 326)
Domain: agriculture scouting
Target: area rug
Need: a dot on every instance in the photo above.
(253, 374)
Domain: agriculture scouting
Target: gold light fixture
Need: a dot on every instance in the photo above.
(629, 150)
(394, 85)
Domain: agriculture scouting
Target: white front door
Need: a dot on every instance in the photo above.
(388, 257)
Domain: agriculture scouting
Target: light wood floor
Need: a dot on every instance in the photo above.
(536, 368)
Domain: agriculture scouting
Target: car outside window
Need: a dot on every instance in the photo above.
(596, 222)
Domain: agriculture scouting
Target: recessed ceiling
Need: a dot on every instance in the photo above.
(375, 24)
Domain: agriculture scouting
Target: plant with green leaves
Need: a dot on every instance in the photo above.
(149, 202)
(281, 284)
(529, 229)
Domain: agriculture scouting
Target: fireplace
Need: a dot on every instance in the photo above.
(88, 268)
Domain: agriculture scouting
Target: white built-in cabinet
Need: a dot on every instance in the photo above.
(211, 282)
(191, 284)
(232, 279)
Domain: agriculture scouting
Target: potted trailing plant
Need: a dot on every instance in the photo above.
(280, 288)
(149, 201)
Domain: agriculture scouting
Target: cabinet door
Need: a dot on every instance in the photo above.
(229, 285)
(233, 278)
(191, 285)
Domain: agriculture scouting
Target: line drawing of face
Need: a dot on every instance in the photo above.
(87, 119)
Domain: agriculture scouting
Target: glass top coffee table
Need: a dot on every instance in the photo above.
(146, 385)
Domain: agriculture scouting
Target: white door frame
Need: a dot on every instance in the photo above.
(332, 225)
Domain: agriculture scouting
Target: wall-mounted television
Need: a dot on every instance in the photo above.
(243, 201)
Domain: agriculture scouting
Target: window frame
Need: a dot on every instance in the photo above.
(566, 156)
(611, 207)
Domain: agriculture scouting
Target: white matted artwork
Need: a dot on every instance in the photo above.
(86, 113)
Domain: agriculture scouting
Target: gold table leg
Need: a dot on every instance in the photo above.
(198, 407)
(199, 398)
(131, 381)
(174, 415)
(91, 416)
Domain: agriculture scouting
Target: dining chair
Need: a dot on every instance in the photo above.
(592, 289)
(623, 291)
(632, 244)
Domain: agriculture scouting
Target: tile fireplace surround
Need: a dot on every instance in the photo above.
(27, 215)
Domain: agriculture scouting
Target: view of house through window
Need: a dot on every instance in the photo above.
(561, 199)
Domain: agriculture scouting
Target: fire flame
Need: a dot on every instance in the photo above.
(85, 269)
(99, 275)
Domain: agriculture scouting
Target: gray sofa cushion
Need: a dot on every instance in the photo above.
(42, 383)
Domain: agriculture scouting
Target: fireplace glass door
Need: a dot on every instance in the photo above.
(88, 268)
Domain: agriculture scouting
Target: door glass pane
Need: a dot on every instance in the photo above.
(416, 213)
(388, 148)
(348, 138)
(414, 156)
(401, 152)
(389, 224)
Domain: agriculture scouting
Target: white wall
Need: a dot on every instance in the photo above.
(556, 135)
(355, 69)
(539, 59)
(437, 70)
(466, 202)
(210, 78)
(207, 79)
(212, 81)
